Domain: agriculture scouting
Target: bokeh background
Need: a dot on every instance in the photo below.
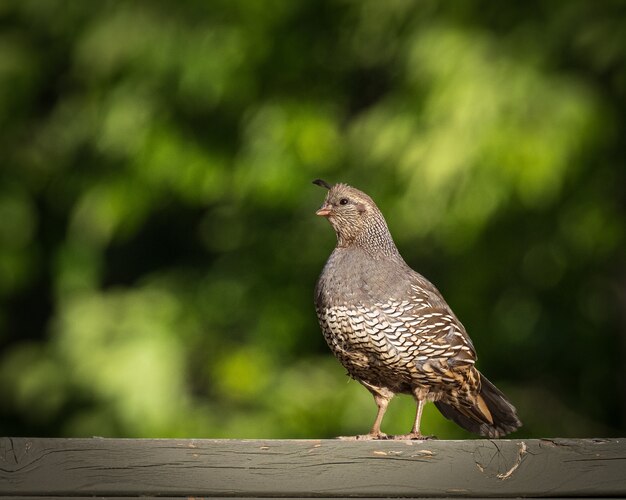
(158, 244)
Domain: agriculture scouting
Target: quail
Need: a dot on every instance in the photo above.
(391, 328)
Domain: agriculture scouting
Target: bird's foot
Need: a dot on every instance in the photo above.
(412, 436)
(365, 437)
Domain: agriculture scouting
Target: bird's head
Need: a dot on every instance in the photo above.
(354, 216)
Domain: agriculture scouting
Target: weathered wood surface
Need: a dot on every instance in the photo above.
(174, 468)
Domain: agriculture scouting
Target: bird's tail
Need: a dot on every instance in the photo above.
(493, 416)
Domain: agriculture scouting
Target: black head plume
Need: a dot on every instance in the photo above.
(322, 183)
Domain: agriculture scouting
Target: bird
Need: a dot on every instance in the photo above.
(393, 331)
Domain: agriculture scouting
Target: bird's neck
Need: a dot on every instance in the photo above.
(375, 239)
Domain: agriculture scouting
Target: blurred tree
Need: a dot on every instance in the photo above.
(158, 244)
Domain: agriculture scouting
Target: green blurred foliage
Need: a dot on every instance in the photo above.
(158, 245)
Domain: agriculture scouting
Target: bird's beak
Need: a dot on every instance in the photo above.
(324, 211)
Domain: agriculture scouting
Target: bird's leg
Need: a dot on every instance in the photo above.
(420, 397)
(418, 417)
(382, 402)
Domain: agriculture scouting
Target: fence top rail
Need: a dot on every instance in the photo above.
(42, 467)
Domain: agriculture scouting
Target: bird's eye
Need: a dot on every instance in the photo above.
(343, 201)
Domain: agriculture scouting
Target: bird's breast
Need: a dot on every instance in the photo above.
(352, 278)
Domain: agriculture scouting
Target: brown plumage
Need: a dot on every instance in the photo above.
(391, 328)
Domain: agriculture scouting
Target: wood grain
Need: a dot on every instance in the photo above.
(304, 468)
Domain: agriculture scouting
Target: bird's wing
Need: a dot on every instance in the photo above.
(426, 333)
(440, 336)
(444, 324)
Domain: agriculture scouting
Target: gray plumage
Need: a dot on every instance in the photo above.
(391, 328)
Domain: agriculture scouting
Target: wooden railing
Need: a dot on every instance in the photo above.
(177, 468)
